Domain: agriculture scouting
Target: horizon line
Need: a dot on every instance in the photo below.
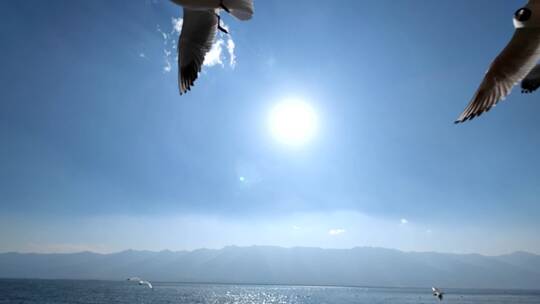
(268, 246)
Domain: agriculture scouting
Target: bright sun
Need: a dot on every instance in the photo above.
(293, 122)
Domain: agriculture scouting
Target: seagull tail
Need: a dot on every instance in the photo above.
(241, 9)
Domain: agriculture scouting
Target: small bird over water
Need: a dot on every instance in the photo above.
(512, 65)
(140, 281)
(437, 293)
(199, 30)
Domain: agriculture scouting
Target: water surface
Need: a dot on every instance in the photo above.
(96, 292)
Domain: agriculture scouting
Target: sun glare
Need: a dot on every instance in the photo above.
(293, 122)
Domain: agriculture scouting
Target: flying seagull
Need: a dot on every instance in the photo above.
(143, 282)
(140, 281)
(515, 62)
(437, 293)
(199, 29)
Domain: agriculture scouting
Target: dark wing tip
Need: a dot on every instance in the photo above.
(481, 103)
(471, 116)
(464, 119)
(188, 75)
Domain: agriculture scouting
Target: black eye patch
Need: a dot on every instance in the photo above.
(523, 14)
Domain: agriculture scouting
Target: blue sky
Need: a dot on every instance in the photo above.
(99, 152)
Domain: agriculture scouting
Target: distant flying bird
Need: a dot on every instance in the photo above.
(437, 293)
(532, 81)
(515, 62)
(140, 281)
(199, 29)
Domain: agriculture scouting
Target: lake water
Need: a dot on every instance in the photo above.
(82, 292)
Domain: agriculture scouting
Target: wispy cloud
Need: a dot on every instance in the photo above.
(230, 49)
(336, 231)
(177, 24)
(404, 221)
(216, 55)
(213, 57)
(169, 47)
(168, 67)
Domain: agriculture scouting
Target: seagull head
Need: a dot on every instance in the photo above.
(528, 16)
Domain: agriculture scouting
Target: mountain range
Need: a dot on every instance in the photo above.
(361, 266)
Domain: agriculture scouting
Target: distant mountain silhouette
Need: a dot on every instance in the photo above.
(274, 265)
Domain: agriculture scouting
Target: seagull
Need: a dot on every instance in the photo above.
(199, 29)
(515, 62)
(140, 281)
(532, 81)
(437, 293)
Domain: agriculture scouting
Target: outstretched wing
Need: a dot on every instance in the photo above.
(133, 279)
(142, 282)
(198, 33)
(516, 60)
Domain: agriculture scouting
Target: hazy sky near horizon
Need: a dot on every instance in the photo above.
(99, 152)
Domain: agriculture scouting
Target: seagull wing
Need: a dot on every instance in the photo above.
(532, 81)
(516, 60)
(142, 282)
(198, 33)
(133, 279)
